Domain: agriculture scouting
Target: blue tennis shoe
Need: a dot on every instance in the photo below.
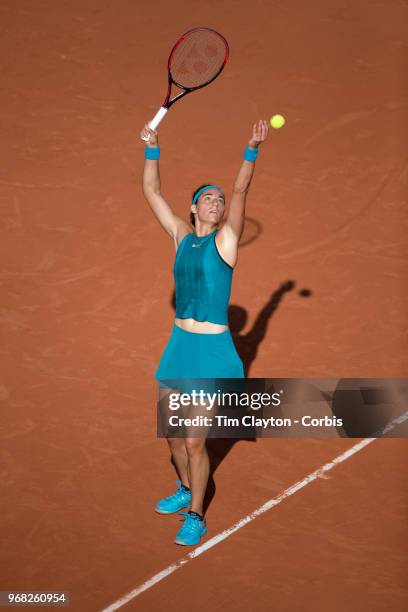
(180, 499)
(192, 530)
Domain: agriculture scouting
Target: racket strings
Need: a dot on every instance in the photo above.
(198, 58)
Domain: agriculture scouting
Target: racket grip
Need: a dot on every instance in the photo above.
(156, 120)
(158, 117)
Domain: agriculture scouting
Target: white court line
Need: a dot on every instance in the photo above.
(250, 517)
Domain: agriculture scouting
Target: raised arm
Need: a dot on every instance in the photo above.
(230, 233)
(236, 213)
(172, 223)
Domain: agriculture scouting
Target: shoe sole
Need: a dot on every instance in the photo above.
(172, 512)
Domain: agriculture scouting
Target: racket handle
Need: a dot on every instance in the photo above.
(156, 119)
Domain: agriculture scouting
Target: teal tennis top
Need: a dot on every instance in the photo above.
(202, 279)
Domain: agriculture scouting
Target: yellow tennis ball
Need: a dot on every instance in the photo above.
(277, 121)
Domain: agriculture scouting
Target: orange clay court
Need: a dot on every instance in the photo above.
(87, 299)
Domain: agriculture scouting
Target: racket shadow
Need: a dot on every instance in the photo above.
(252, 231)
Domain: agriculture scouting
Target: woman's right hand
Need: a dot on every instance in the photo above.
(153, 140)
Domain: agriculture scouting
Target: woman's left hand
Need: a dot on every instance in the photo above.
(259, 133)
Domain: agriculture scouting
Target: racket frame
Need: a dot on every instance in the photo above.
(185, 90)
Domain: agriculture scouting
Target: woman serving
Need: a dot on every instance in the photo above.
(200, 345)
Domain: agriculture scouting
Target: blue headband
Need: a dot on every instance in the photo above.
(200, 191)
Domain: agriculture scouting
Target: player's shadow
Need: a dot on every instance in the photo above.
(247, 345)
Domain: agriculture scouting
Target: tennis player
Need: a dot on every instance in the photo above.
(200, 345)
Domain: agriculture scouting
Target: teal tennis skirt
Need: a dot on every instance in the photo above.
(192, 355)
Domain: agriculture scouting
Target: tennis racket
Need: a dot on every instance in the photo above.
(196, 59)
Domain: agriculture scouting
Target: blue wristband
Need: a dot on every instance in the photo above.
(152, 152)
(250, 154)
